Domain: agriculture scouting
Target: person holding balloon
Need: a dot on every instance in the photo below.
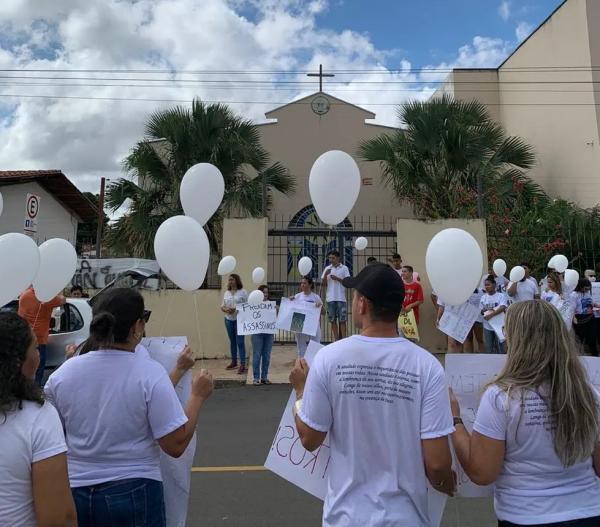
(337, 309)
(38, 314)
(307, 295)
(235, 294)
(492, 303)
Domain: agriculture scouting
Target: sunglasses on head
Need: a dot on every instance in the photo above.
(146, 316)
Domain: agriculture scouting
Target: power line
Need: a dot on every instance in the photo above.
(270, 103)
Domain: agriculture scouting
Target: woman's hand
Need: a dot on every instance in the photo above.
(186, 360)
(203, 384)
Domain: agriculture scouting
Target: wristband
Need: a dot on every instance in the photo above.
(458, 421)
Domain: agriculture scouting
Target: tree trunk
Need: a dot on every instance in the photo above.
(480, 211)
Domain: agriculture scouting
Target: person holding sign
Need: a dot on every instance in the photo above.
(413, 293)
(560, 298)
(537, 428)
(492, 303)
(384, 402)
(337, 310)
(235, 294)
(262, 344)
(307, 295)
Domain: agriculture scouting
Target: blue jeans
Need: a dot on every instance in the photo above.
(236, 342)
(39, 373)
(262, 344)
(492, 342)
(135, 502)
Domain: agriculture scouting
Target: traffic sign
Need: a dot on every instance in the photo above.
(32, 209)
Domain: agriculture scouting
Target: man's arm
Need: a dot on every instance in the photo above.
(438, 464)
(311, 439)
(512, 289)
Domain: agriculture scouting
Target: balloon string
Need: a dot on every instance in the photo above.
(164, 322)
(198, 332)
(37, 314)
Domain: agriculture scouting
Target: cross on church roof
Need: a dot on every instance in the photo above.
(320, 75)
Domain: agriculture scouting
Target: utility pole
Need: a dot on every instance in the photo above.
(100, 219)
(320, 75)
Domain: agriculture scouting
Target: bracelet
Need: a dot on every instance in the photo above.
(457, 421)
(296, 407)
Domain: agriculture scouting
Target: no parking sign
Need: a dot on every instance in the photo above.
(32, 209)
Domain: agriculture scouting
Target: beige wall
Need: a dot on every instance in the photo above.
(197, 315)
(194, 315)
(300, 136)
(413, 238)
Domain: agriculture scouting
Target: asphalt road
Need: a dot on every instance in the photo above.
(235, 431)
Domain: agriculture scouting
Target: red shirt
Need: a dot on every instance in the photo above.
(413, 292)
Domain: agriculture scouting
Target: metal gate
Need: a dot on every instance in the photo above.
(304, 235)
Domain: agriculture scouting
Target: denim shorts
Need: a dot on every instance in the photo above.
(337, 311)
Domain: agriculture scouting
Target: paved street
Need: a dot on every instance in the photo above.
(234, 434)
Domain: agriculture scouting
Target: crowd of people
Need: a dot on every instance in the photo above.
(85, 449)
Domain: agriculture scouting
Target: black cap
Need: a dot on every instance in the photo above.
(380, 284)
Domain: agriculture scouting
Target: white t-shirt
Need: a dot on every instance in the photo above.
(336, 292)
(311, 298)
(489, 303)
(526, 290)
(114, 406)
(534, 487)
(26, 436)
(377, 398)
(233, 299)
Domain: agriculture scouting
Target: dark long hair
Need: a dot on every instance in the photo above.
(15, 338)
(114, 315)
(238, 282)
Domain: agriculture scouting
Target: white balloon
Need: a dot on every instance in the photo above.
(1, 203)
(361, 243)
(305, 266)
(454, 283)
(552, 262)
(58, 261)
(201, 191)
(256, 297)
(258, 275)
(226, 265)
(517, 274)
(334, 185)
(571, 278)
(182, 251)
(499, 267)
(19, 263)
(561, 262)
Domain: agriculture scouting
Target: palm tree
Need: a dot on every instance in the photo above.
(450, 158)
(177, 139)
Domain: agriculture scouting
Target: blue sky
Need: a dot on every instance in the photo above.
(430, 31)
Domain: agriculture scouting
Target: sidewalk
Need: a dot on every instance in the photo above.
(282, 362)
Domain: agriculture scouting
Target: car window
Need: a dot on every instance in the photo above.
(74, 319)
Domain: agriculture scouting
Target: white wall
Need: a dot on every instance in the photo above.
(54, 220)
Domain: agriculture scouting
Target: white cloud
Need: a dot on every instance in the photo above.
(504, 10)
(523, 30)
(89, 138)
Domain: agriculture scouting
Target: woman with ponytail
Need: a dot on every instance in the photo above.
(537, 428)
(118, 409)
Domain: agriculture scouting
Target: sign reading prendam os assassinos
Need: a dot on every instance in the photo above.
(253, 320)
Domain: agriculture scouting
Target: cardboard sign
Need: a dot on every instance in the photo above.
(298, 317)
(497, 322)
(468, 375)
(408, 325)
(253, 320)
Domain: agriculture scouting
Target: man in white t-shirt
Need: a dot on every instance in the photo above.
(337, 310)
(384, 403)
(526, 289)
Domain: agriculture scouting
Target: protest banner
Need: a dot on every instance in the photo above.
(566, 308)
(298, 317)
(408, 325)
(457, 321)
(468, 375)
(497, 322)
(252, 320)
(176, 472)
(309, 470)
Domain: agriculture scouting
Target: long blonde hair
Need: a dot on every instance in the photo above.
(541, 353)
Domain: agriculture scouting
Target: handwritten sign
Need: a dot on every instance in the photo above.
(408, 325)
(289, 459)
(298, 317)
(497, 322)
(468, 375)
(252, 320)
(176, 472)
(457, 321)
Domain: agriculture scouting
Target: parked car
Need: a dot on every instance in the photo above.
(70, 323)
